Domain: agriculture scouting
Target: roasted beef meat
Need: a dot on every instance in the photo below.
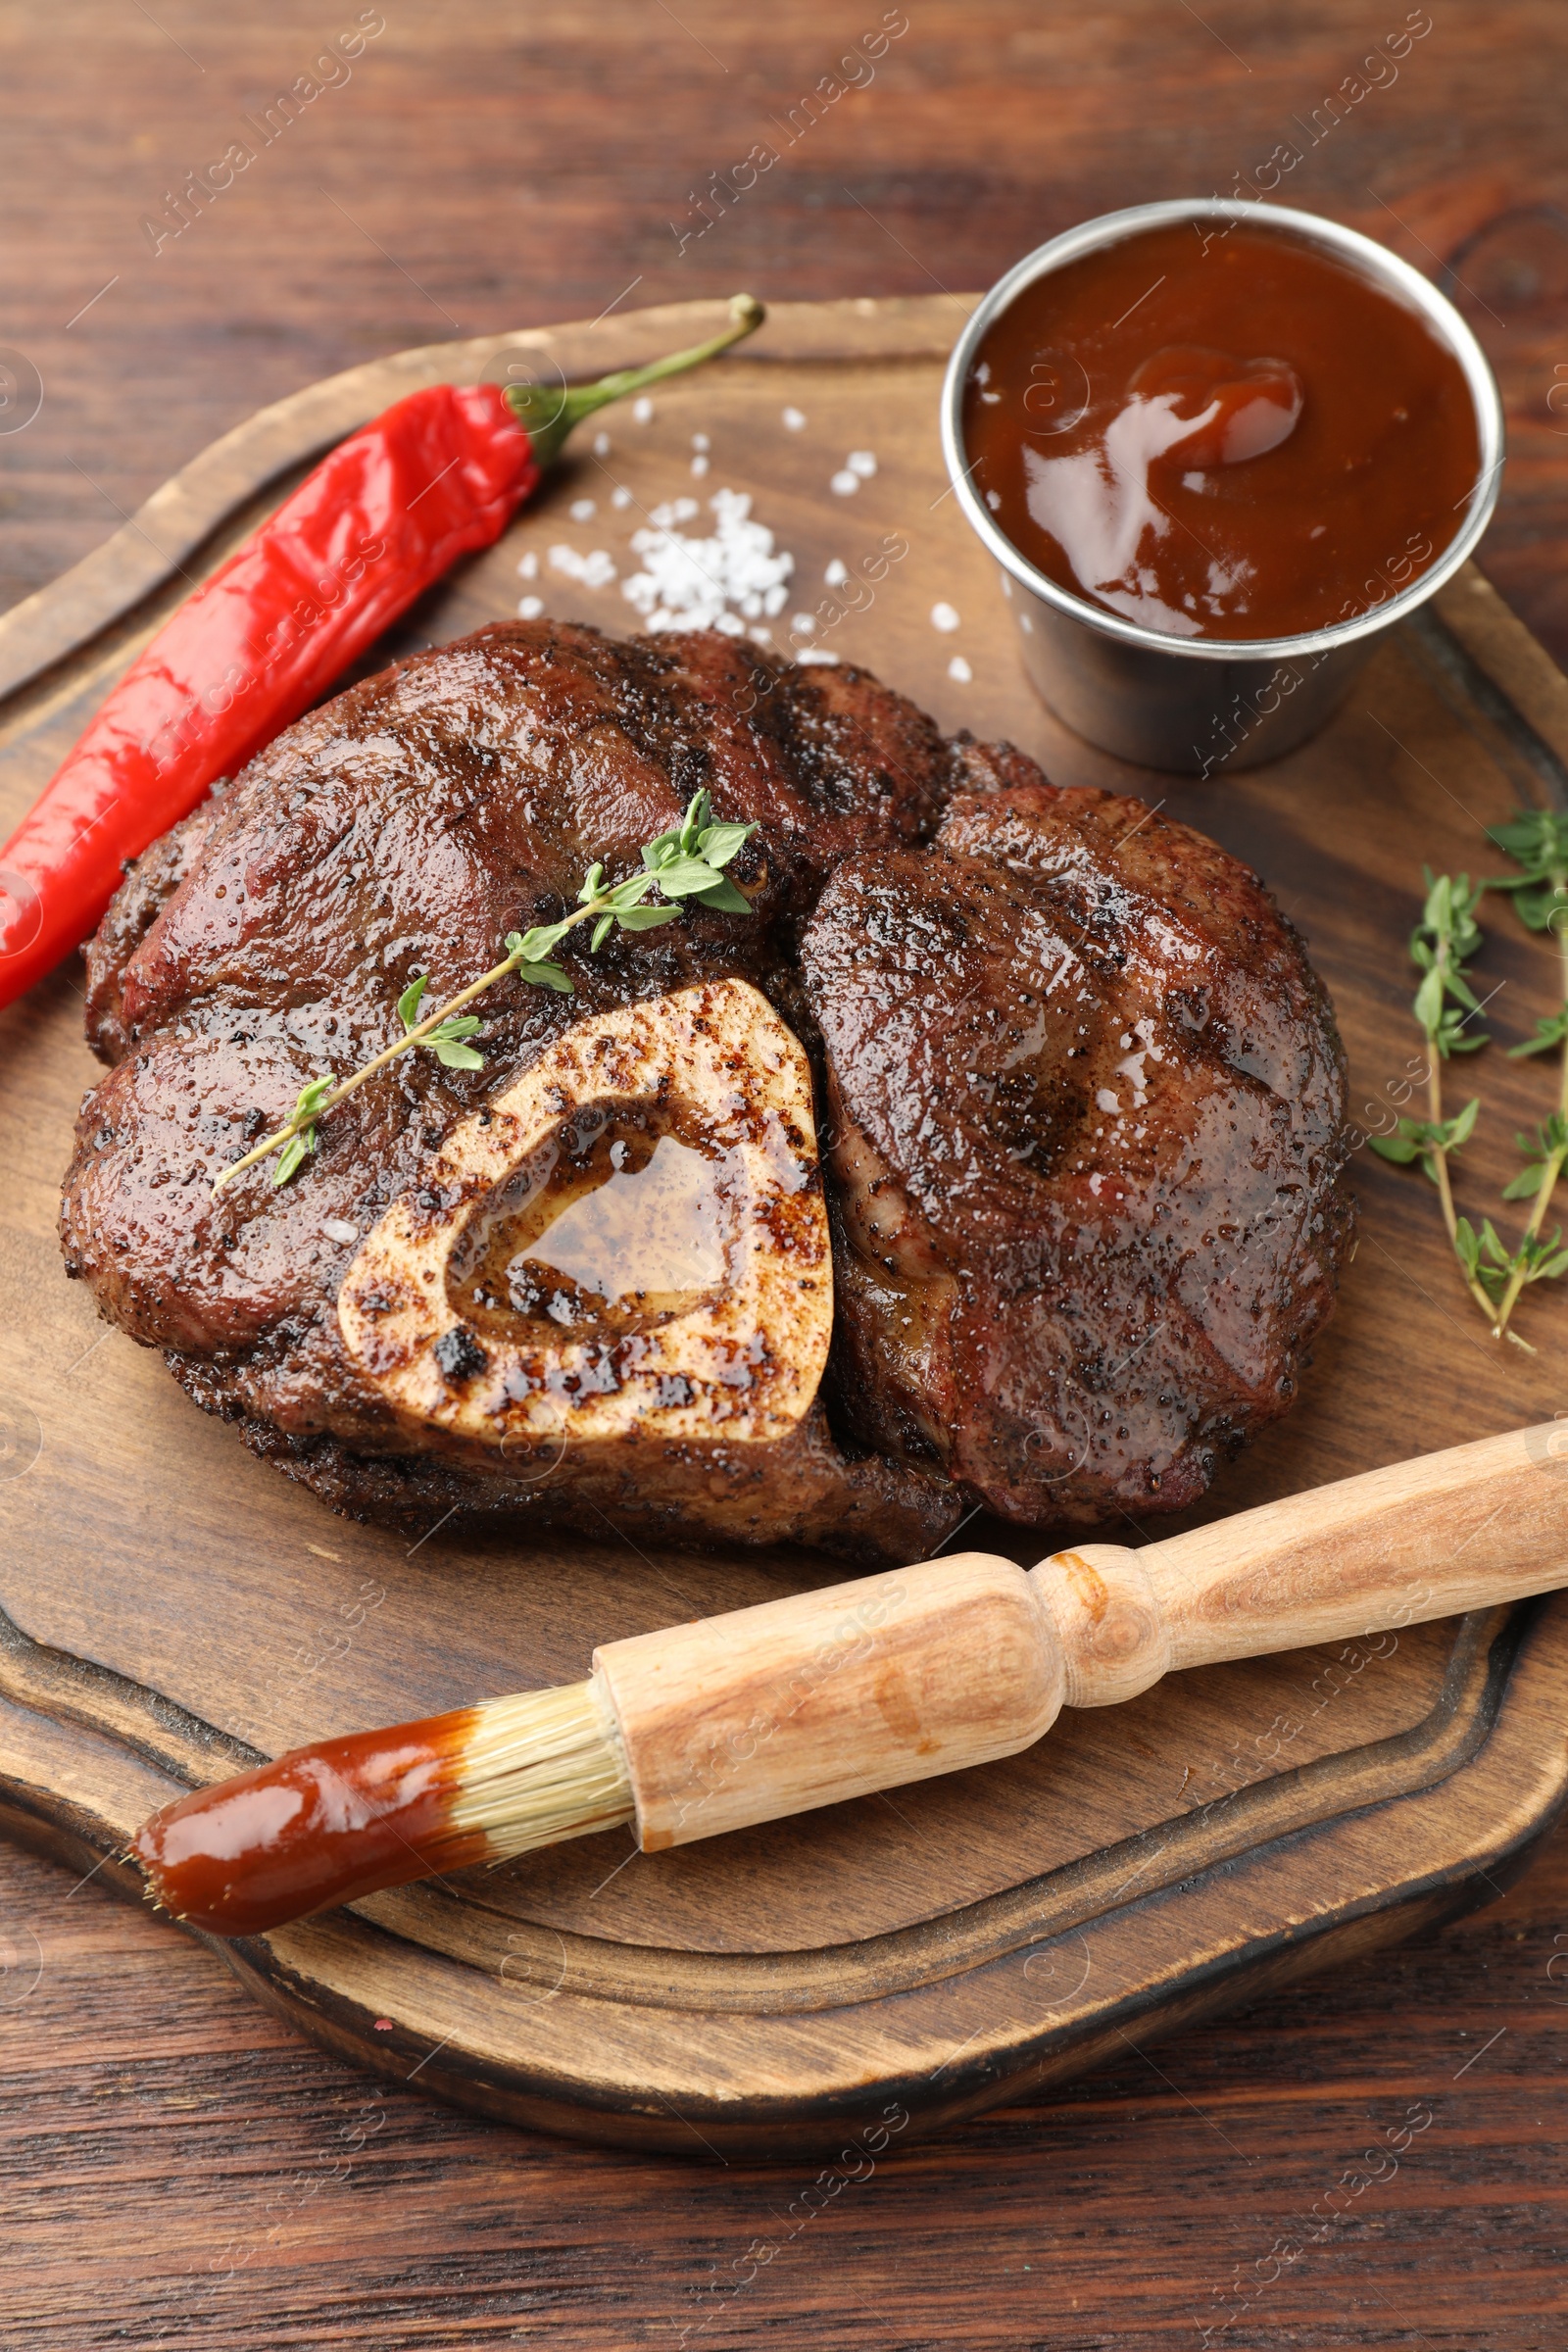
(1079, 1093)
(1086, 1101)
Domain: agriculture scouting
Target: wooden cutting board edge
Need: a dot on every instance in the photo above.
(515, 2042)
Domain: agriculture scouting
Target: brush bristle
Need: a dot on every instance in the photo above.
(540, 1767)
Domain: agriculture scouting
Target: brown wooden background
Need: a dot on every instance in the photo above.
(178, 2170)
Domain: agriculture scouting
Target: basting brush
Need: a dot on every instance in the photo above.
(825, 1696)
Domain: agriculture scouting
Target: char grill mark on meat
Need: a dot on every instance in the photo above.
(1087, 1100)
(1041, 1305)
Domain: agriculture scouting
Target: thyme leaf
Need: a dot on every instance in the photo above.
(445, 1041)
(1537, 840)
(1442, 942)
(302, 1135)
(1424, 1140)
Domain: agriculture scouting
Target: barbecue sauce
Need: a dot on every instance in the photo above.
(319, 1825)
(1220, 434)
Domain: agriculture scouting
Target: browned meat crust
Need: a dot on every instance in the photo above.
(1087, 1102)
(1043, 1305)
(406, 828)
(151, 880)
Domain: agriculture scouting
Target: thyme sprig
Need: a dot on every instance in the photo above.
(684, 864)
(1537, 840)
(1442, 942)
(1447, 938)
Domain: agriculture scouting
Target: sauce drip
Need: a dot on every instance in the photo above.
(621, 1223)
(1240, 440)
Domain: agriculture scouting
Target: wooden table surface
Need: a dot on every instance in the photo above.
(182, 2170)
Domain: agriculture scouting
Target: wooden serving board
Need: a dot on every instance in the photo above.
(173, 1609)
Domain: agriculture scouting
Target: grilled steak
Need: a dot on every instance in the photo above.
(1082, 1089)
(1087, 1100)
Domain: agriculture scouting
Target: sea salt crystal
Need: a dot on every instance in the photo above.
(803, 624)
(959, 668)
(815, 653)
(837, 573)
(601, 445)
(529, 565)
(700, 464)
(583, 510)
(529, 608)
(643, 411)
(845, 483)
(721, 582)
(620, 496)
(992, 500)
(338, 1229)
(794, 420)
(594, 570)
(863, 462)
(944, 618)
(700, 441)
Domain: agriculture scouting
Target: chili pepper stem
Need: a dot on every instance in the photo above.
(549, 414)
(1554, 1165)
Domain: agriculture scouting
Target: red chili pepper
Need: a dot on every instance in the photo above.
(382, 518)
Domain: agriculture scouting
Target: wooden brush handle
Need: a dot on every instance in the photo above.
(824, 1696)
(831, 1694)
(1448, 1531)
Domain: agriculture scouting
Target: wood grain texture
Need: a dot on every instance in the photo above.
(810, 1700)
(1459, 1530)
(179, 525)
(177, 2159)
(189, 2165)
(831, 1694)
(490, 169)
(923, 1989)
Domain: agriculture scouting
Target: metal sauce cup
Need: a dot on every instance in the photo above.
(1195, 705)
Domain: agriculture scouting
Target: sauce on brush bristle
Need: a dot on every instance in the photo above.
(349, 1816)
(319, 1825)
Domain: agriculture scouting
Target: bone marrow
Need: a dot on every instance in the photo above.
(728, 1354)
